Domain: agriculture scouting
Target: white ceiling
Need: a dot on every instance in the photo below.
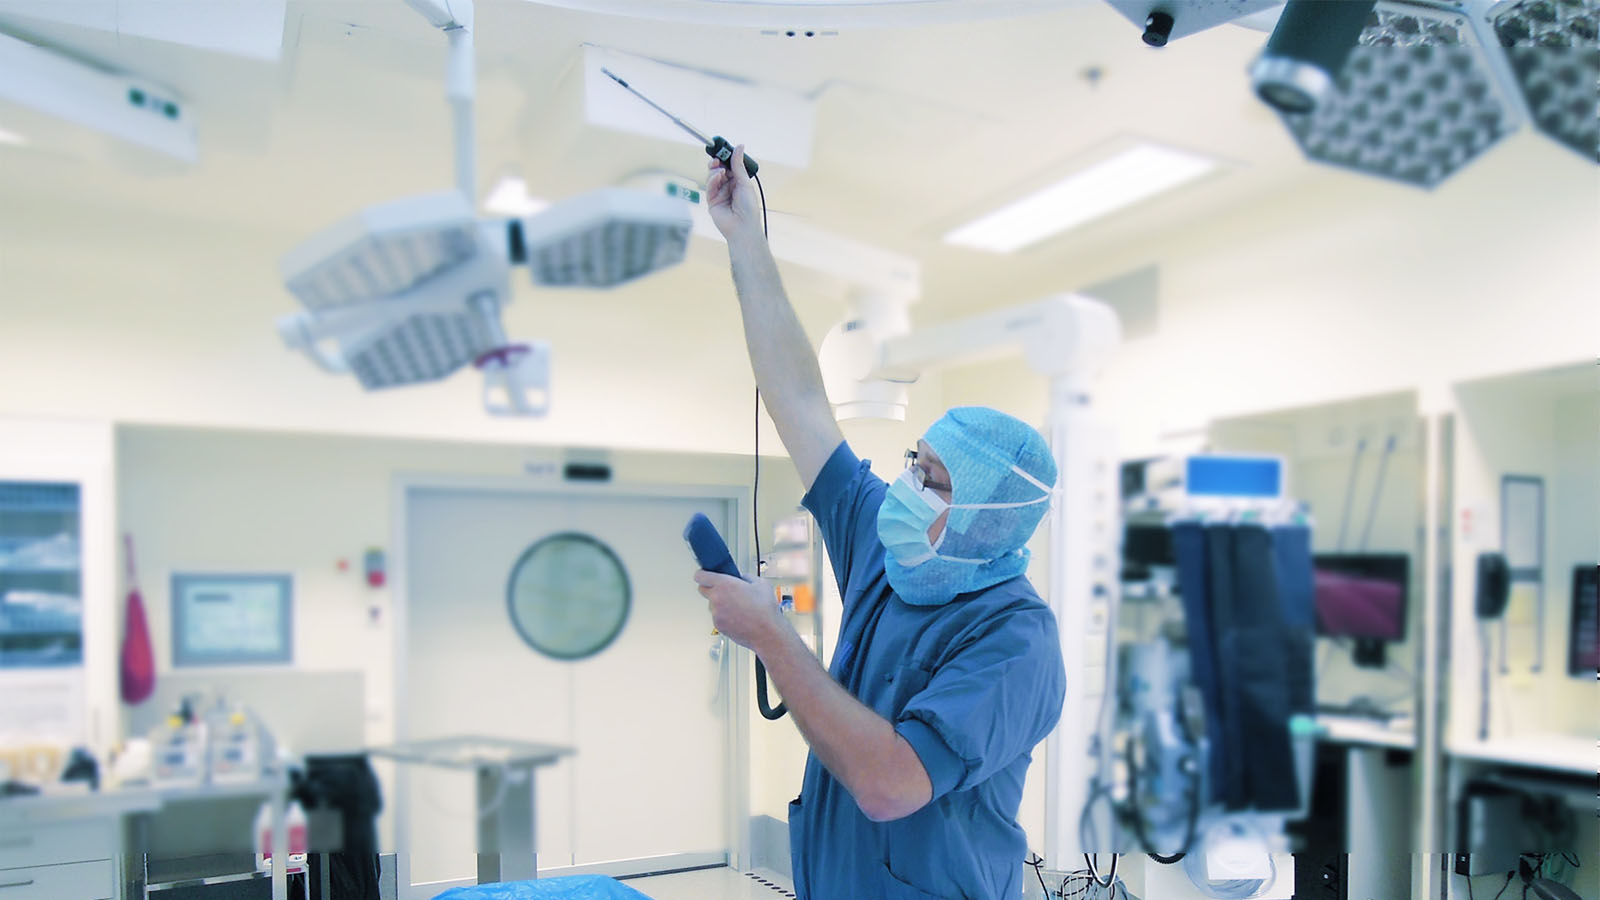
(919, 127)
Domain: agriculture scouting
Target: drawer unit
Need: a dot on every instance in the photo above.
(72, 881)
(54, 843)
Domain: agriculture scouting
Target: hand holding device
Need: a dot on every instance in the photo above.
(711, 552)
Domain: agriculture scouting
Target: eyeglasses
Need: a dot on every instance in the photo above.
(920, 474)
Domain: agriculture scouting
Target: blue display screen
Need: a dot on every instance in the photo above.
(1233, 476)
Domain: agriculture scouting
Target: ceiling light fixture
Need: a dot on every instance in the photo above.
(411, 291)
(1417, 90)
(1130, 177)
(1554, 49)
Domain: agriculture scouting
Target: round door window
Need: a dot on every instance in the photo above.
(568, 596)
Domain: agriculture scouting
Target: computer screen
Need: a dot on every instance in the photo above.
(1362, 595)
(1583, 656)
(1233, 476)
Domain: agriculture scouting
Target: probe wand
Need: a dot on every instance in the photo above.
(716, 147)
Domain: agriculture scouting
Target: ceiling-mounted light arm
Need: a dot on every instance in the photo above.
(455, 19)
(1066, 337)
(296, 332)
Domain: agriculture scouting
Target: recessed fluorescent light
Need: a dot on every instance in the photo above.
(509, 197)
(11, 137)
(1125, 179)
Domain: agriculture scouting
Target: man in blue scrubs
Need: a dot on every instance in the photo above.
(948, 666)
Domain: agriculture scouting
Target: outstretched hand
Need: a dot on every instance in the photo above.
(731, 198)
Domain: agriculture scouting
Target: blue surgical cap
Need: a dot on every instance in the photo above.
(979, 446)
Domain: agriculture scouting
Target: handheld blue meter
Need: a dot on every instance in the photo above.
(711, 552)
(708, 547)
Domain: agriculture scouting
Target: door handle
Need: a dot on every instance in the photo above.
(11, 884)
(719, 667)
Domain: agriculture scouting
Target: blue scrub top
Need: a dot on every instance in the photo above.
(972, 686)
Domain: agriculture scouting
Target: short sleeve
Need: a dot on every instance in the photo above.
(996, 697)
(844, 499)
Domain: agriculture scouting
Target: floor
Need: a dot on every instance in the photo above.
(714, 884)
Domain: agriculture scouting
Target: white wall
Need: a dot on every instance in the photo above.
(136, 315)
(1520, 426)
(1350, 287)
(1574, 506)
(238, 501)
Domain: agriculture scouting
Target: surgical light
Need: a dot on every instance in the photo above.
(382, 251)
(1127, 178)
(406, 291)
(411, 291)
(1306, 51)
(1554, 50)
(606, 238)
(1416, 99)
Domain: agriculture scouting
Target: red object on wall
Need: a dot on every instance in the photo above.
(374, 565)
(138, 657)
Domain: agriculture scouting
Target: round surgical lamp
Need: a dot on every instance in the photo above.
(1307, 49)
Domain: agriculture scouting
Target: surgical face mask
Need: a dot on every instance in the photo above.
(910, 509)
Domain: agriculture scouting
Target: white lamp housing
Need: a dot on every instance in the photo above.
(606, 237)
(407, 291)
(852, 350)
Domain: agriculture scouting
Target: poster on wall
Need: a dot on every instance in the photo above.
(227, 620)
(43, 706)
(1522, 537)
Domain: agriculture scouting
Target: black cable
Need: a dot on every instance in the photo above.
(1469, 889)
(755, 490)
(1167, 860)
(763, 702)
(1082, 876)
(1094, 873)
(763, 192)
(1097, 789)
(1504, 886)
(1037, 862)
(1137, 817)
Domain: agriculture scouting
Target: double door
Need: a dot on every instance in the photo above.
(650, 781)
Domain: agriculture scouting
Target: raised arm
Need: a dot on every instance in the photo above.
(780, 353)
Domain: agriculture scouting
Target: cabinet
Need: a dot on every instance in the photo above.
(59, 861)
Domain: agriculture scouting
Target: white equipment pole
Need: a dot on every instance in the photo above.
(455, 19)
(463, 83)
(1085, 529)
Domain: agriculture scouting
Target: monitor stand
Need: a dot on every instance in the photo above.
(1370, 653)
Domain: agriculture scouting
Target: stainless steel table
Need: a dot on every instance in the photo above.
(505, 784)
